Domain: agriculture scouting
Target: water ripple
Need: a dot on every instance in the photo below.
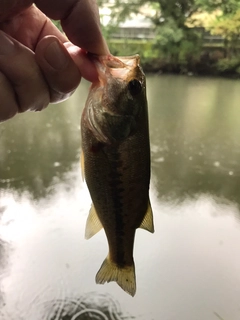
(90, 306)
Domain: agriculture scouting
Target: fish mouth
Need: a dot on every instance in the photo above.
(122, 62)
(124, 68)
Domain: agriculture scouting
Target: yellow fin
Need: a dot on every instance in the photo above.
(147, 223)
(82, 165)
(125, 277)
(93, 224)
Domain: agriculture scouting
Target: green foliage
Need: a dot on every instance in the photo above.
(228, 26)
(168, 39)
(121, 47)
(190, 50)
(57, 23)
(226, 6)
(169, 34)
(175, 43)
(179, 10)
(161, 9)
(108, 30)
(228, 65)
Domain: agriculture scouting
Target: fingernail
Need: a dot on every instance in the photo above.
(56, 56)
(6, 44)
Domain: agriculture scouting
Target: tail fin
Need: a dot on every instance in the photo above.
(125, 277)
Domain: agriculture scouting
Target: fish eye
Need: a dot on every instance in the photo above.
(135, 87)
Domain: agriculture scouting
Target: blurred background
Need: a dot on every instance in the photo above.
(189, 268)
(196, 36)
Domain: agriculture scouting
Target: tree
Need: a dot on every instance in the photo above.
(226, 6)
(160, 10)
(155, 10)
(228, 26)
(168, 40)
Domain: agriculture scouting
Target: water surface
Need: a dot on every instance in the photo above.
(188, 269)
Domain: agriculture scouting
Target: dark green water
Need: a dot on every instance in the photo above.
(188, 269)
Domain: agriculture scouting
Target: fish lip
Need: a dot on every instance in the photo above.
(120, 62)
(115, 62)
(131, 61)
(111, 66)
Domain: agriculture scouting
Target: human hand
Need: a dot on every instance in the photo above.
(38, 64)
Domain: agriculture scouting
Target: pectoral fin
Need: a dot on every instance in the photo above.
(93, 224)
(147, 223)
(82, 165)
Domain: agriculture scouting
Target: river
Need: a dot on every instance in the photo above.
(187, 270)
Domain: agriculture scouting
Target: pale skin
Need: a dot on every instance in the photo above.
(38, 63)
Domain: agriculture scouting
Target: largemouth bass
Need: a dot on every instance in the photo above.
(116, 163)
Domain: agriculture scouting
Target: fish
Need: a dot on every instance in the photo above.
(116, 163)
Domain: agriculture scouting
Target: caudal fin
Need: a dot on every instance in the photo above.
(125, 277)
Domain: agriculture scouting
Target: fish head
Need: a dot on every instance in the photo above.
(122, 83)
(116, 100)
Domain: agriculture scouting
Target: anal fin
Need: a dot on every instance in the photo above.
(93, 224)
(125, 277)
(82, 165)
(147, 223)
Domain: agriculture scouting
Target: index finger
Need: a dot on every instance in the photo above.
(80, 20)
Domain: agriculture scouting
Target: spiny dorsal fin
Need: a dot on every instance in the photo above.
(82, 165)
(147, 223)
(93, 224)
(125, 277)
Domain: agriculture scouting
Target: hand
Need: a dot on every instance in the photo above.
(38, 64)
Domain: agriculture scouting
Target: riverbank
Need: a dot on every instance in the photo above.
(222, 68)
(207, 60)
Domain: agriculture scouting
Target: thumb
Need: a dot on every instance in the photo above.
(60, 71)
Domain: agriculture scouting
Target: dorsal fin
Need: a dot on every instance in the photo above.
(93, 224)
(147, 223)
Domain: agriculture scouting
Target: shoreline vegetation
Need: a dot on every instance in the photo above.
(210, 60)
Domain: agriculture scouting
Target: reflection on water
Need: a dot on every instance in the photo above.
(90, 306)
(195, 130)
(37, 149)
(188, 269)
(190, 266)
